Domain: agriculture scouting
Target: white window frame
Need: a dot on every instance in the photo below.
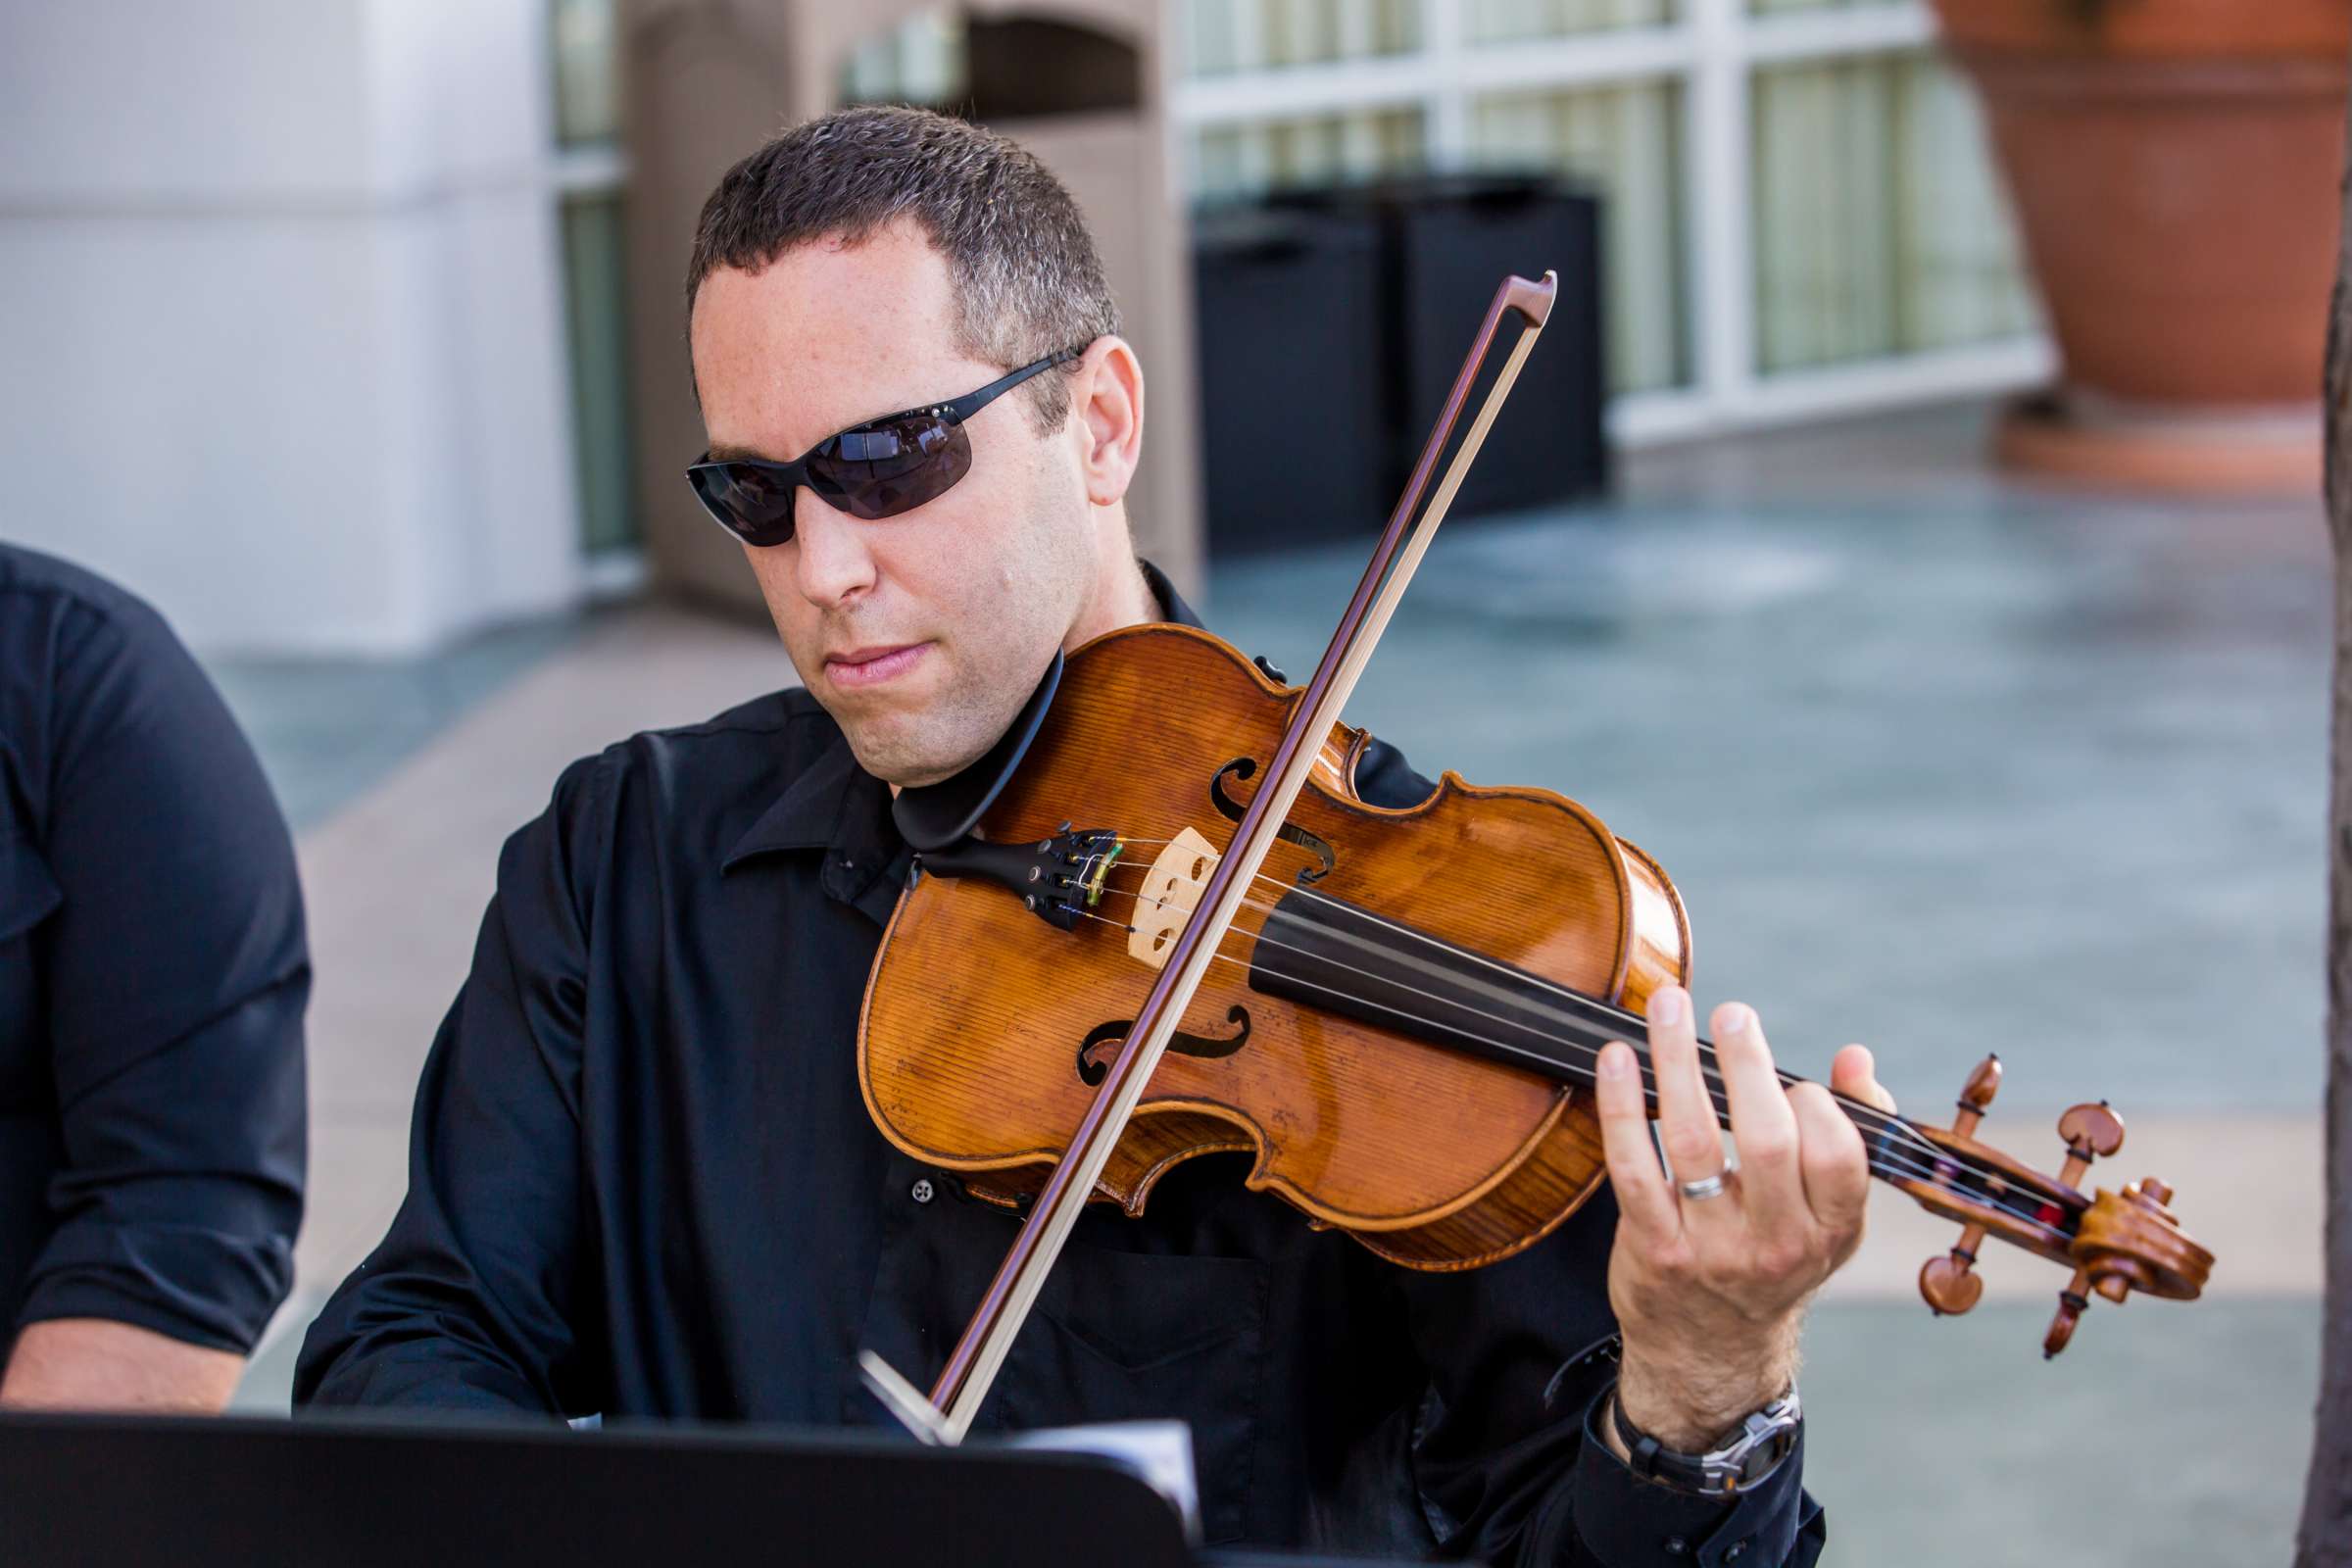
(1713, 51)
(592, 169)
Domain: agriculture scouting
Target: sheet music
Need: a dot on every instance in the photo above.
(1161, 1452)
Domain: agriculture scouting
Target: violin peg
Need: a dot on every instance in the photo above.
(2072, 1303)
(1950, 1284)
(2091, 1132)
(1976, 1096)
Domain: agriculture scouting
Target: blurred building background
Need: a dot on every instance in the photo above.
(295, 275)
(1800, 216)
(351, 280)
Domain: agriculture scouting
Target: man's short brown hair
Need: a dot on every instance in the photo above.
(1027, 278)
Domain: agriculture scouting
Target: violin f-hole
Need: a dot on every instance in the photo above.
(1096, 1051)
(1289, 832)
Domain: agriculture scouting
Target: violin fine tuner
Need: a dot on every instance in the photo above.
(2115, 1243)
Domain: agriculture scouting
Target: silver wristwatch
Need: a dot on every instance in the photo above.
(1745, 1456)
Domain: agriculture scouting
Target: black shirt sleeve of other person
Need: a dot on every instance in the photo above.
(153, 975)
(642, 1184)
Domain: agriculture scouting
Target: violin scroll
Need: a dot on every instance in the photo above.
(2115, 1243)
(2129, 1240)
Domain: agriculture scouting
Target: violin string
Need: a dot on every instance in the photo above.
(1893, 1133)
(1590, 1043)
(1622, 1019)
(1717, 1087)
(1867, 1117)
(1904, 1166)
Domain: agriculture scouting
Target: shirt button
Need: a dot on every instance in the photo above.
(1676, 1545)
(921, 1190)
(1735, 1551)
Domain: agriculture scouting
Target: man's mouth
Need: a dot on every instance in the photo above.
(875, 664)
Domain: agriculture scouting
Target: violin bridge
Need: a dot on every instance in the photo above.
(1171, 891)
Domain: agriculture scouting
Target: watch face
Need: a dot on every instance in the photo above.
(1762, 1441)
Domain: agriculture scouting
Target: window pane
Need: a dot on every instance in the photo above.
(587, 73)
(1222, 35)
(1763, 7)
(595, 303)
(1880, 228)
(1234, 160)
(1500, 21)
(920, 60)
(1626, 144)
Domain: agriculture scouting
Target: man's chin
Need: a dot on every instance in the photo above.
(903, 755)
(912, 733)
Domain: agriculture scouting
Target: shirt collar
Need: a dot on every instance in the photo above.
(833, 803)
(1171, 602)
(814, 805)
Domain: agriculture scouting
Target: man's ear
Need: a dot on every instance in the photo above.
(1106, 409)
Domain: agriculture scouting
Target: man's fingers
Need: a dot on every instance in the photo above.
(1854, 1074)
(1836, 1180)
(1643, 1201)
(1763, 1127)
(1686, 1124)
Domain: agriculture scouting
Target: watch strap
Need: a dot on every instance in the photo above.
(1741, 1458)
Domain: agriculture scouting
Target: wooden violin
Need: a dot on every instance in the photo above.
(1175, 929)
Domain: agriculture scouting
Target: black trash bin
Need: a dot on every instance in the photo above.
(1294, 430)
(1446, 242)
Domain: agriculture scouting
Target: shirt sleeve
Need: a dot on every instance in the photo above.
(1617, 1517)
(176, 975)
(1506, 1461)
(473, 1299)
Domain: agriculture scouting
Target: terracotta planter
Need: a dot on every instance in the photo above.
(2173, 164)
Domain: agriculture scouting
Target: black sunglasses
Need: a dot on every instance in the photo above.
(875, 470)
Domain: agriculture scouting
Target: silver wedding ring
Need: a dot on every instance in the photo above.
(1705, 1186)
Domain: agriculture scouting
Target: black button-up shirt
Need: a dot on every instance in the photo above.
(642, 1183)
(153, 975)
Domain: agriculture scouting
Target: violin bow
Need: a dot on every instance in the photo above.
(946, 1415)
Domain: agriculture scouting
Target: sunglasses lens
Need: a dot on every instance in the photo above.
(884, 470)
(877, 471)
(750, 502)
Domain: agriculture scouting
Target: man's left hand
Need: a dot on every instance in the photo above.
(89, 1364)
(1709, 1292)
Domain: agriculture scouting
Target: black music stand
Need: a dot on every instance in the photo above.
(362, 1493)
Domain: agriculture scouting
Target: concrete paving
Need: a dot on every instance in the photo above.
(2166, 1436)
(1939, 763)
(332, 729)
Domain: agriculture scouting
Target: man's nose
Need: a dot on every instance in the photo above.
(834, 563)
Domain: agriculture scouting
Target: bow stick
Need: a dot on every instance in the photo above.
(956, 1399)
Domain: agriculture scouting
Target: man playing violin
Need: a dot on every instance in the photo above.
(642, 1182)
